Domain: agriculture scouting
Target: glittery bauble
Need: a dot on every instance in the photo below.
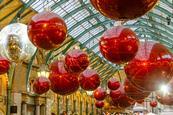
(115, 94)
(113, 84)
(119, 45)
(62, 82)
(15, 44)
(122, 101)
(151, 67)
(153, 103)
(165, 99)
(47, 30)
(4, 65)
(100, 94)
(133, 92)
(99, 104)
(76, 61)
(123, 9)
(89, 80)
(41, 85)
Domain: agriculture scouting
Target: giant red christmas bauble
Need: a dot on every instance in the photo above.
(133, 92)
(76, 61)
(153, 103)
(115, 94)
(151, 67)
(122, 101)
(165, 100)
(123, 9)
(119, 44)
(89, 80)
(62, 82)
(4, 65)
(100, 94)
(47, 30)
(41, 85)
(99, 104)
(113, 84)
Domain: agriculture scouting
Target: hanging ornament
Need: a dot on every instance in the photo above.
(15, 44)
(153, 103)
(89, 80)
(47, 30)
(99, 104)
(76, 61)
(122, 101)
(123, 9)
(151, 67)
(41, 85)
(100, 94)
(113, 84)
(133, 92)
(119, 45)
(165, 99)
(165, 96)
(62, 82)
(4, 65)
(115, 94)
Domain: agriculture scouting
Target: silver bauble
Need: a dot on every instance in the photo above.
(15, 44)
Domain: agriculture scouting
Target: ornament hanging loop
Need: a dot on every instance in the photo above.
(18, 18)
(120, 23)
(46, 5)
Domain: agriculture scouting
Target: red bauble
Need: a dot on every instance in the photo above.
(41, 85)
(151, 66)
(123, 9)
(119, 44)
(122, 100)
(4, 65)
(89, 80)
(100, 94)
(165, 100)
(76, 61)
(47, 30)
(58, 67)
(62, 82)
(133, 92)
(115, 94)
(99, 104)
(153, 103)
(113, 84)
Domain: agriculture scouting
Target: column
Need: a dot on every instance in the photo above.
(24, 109)
(37, 110)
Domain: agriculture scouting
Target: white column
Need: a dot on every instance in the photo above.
(37, 110)
(24, 109)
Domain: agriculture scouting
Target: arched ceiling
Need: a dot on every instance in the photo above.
(86, 25)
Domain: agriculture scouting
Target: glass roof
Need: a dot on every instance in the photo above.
(86, 25)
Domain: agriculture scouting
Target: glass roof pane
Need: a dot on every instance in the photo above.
(87, 25)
